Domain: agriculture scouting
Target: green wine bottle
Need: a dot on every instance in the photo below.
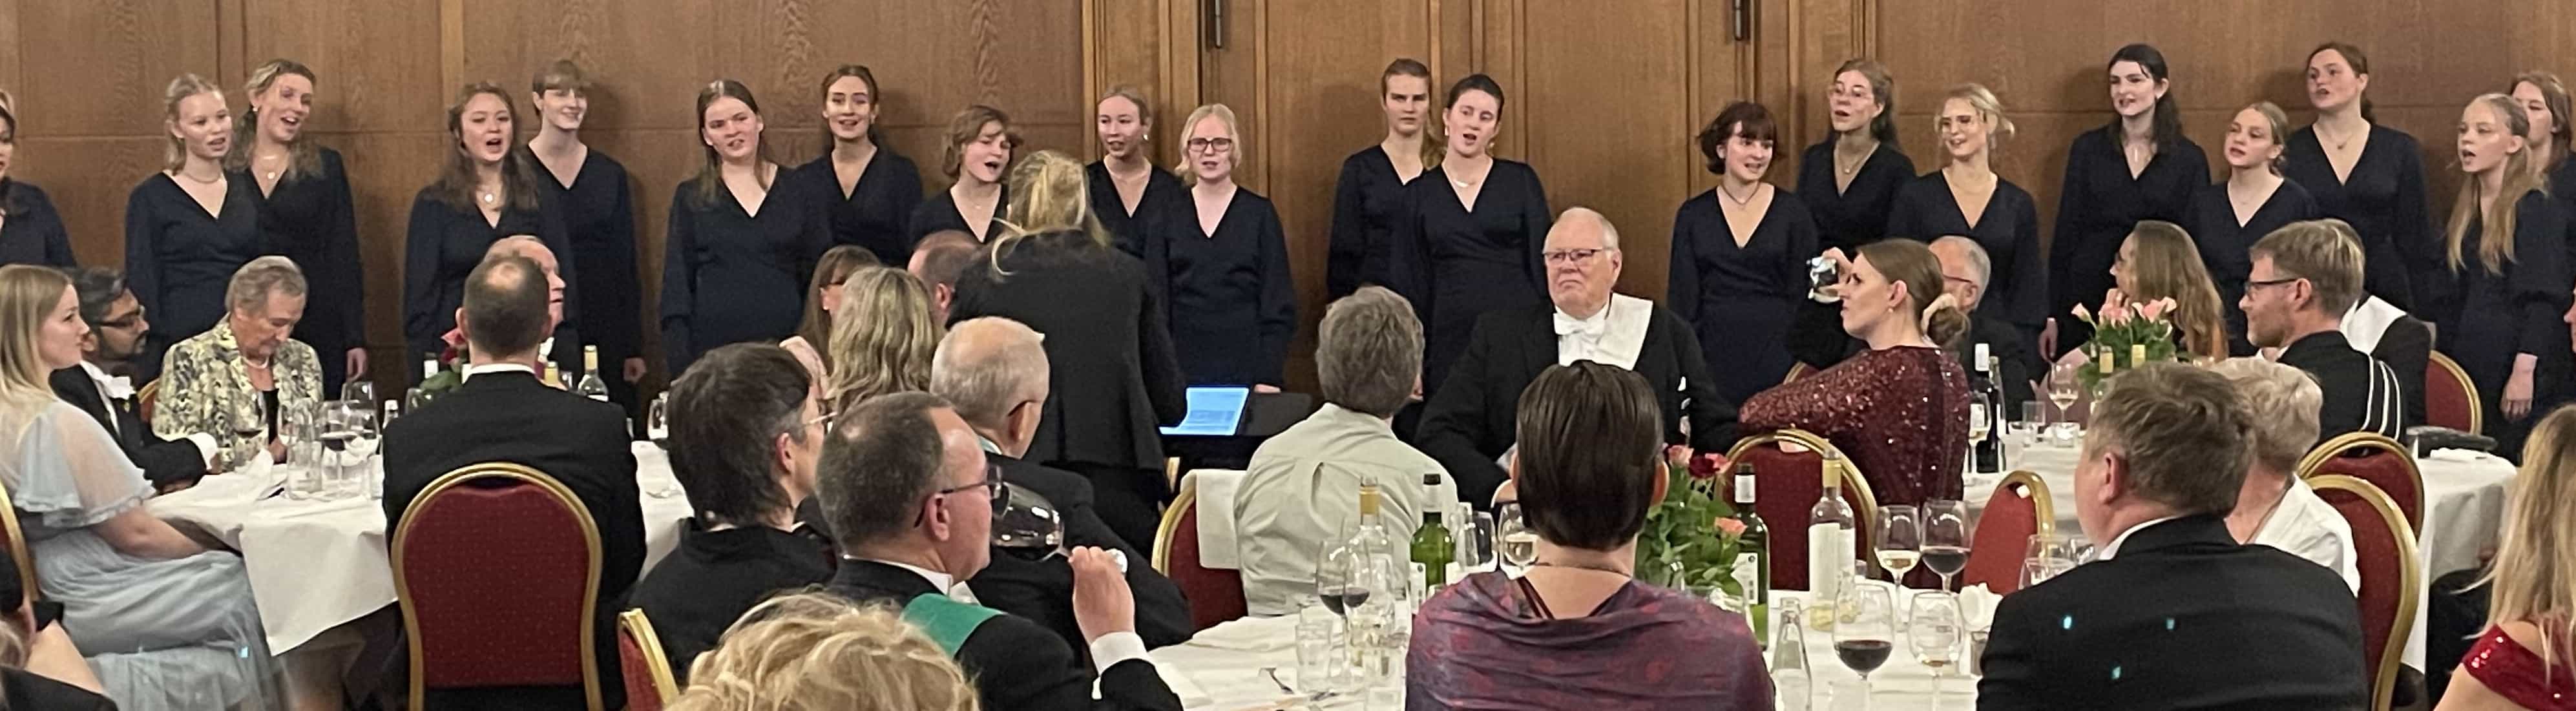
(1752, 556)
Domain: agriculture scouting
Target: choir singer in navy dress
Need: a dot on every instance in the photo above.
(2506, 243)
(1850, 179)
(2138, 167)
(1142, 205)
(1967, 198)
(188, 227)
(1740, 250)
(878, 188)
(305, 211)
(1471, 243)
(980, 141)
(2371, 176)
(741, 241)
(2227, 218)
(31, 231)
(1234, 309)
(589, 189)
(1368, 200)
(486, 190)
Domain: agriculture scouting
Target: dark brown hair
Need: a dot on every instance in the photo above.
(710, 178)
(835, 265)
(1882, 87)
(726, 414)
(1742, 118)
(456, 181)
(967, 126)
(1410, 67)
(559, 75)
(1913, 264)
(1589, 435)
(1474, 82)
(2360, 64)
(876, 97)
(2167, 118)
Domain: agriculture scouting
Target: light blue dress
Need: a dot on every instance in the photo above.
(180, 634)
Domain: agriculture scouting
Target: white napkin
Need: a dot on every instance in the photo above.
(1217, 546)
(1250, 634)
(2462, 455)
(1191, 694)
(1977, 603)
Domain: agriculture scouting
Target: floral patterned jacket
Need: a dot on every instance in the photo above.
(206, 388)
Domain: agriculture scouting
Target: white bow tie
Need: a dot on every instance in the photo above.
(118, 387)
(1589, 328)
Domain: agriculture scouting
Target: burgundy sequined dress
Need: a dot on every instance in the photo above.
(1900, 413)
(2518, 674)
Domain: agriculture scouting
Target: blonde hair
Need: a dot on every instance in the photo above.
(1049, 193)
(813, 652)
(2167, 265)
(2534, 579)
(2278, 129)
(2283, 402)
(1233, 134)
(1989, 109)
(302, 158)
(174, 153)
(2495, 241)
(2324, 252)
(1133, 95)
(883, 336)
(830, 271)
(28, 295)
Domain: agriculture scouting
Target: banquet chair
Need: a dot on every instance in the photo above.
(1797, 369)
(1789, 484)
(2019, 508)
(1215, 595)
(18, 544)
(145, 398)
(2391, 580)
(2375, 459)
(643, 662)
(2450, 397)
(474, 619)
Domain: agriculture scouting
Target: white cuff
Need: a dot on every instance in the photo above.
(207, 449)
(1115, 647)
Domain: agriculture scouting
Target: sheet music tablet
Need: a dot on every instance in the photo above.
(1215, 411)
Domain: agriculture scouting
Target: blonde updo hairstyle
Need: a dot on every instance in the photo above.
(819, 652)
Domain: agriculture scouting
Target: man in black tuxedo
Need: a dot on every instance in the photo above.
(994, 370)
(2306, 276)
(502, 413)
(1965, 268)
(1468, 423)
(116, 329)
(907, 487)
(2173, 612)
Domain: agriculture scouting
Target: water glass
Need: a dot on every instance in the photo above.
(1319, 657)
(1933, 631)
(361, 391)
(2034, 421)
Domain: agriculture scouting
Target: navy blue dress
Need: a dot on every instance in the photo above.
(2223, 243)
(2009, 230)
(179, 260)
(732, 277)
(875, 213)
(1234, 309)
(32, 232)
(1857, 215)
(598, 211)
(2384, 199)
(1455, 264)
(1741, 300)
(310, 218)
(1138, 233)
(2514, 312)
(1368, 205)
(2098, 206)
(444, 244)
(939, 212)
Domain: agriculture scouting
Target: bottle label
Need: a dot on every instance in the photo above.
(1828, 560)
(1977, 413)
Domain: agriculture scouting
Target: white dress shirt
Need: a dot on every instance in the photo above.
(115, 389)
(479, 369)
(2306, 526)
(2113, 548)
(1612, 336)
(1106, 652)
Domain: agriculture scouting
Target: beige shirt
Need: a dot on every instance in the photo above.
(1301, 494)
(2308, 527)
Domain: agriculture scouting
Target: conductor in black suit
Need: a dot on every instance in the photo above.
(906, 486)
(994, 371)
(502, 413)
(2173, 612)
(1468, 423)
(116, 330)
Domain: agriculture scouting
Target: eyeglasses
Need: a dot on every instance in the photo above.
(123, 324)
(1211, 145)
(992, 486)
(2250, 286)
(1571, 256)
(1962, 281)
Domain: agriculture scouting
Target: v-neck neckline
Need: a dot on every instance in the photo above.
(580, 166)
(2318, 138)
(1230, 199)
(1962, 211)
(221, 206)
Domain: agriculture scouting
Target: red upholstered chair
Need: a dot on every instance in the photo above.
(2375, 459)
(644, 664)
(17, 542)
(2450, 397)
(1216, 595)
(475, 619)
(1788, 483)
(2391, 579)
(2020, 508)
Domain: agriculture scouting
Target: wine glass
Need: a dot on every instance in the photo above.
(1334, 570)
(2048, 556)
(1945, 538)
(1900, 540)
(348, 437)
(1514, 540)
(2065, 384)
(1866, 634)
(657, 427)
(1029, 525)
(362, 392)
(1933, 629)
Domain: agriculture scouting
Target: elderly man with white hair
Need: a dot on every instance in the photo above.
(1965, 271)
(2276, 508)
(1468, 423)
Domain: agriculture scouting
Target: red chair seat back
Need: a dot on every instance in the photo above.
(1216, 595)
(496, 568)
(2390, 578)
(638, 673)
(2450, 398)
(2375, 459)
(2018, 509)
(1787, 485)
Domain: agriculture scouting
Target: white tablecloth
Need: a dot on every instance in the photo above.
(2463, 508)
(314, 565)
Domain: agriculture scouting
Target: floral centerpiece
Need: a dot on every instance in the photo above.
(1690, 538)
(452, 359)
(2122, 332)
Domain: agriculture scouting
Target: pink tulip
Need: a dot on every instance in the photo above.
(1730, 526)
(2152, 309)
(2082, 313)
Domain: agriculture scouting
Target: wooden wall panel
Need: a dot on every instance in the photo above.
(1633, 165)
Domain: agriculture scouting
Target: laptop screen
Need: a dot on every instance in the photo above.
(1215, 411)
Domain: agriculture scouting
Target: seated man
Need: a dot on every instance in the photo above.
(995, 371)
(746, 428)
(2404, 342)
(1304, 482)
(1965, 269)
(503, 414)
(116, 330)
(2274, 507)
(2162, 463)
(937, 261)
(909, 491)
(1468, 423)
(2305, 278)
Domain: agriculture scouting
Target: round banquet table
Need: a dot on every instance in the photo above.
(316, 564)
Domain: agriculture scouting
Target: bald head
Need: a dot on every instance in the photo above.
(995, 372)
(530, 248)
(1582, 260)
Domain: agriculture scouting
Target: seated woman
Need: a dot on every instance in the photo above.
(814, 332)
(817, 652)
(2160, 261)
(746, 430)
(883, 333)
(1577, 630)
(2527, 658)
(1899, 410)
(237, 379)
(166, 624)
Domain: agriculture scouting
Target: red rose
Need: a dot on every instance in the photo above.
(1707, 466)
